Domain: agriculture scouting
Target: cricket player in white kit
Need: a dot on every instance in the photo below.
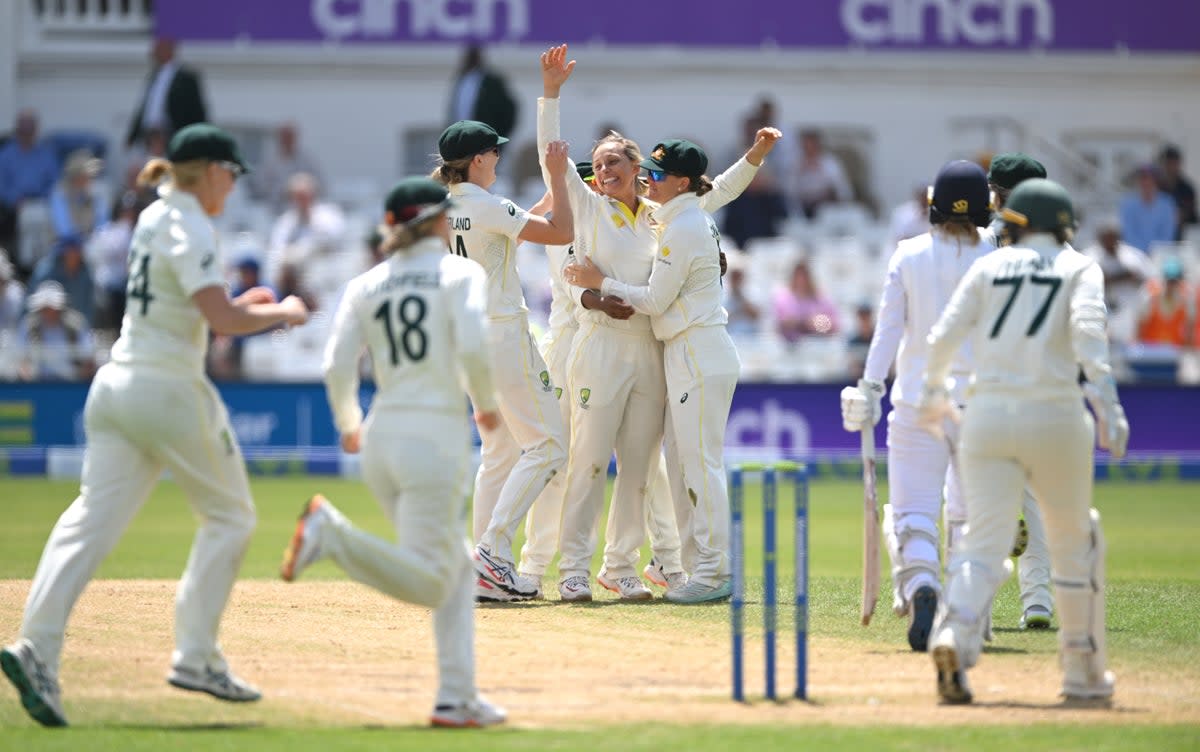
(152, 408)
(683, 301)
(1034, 313)
(521, 456)
(420, 313)
(615, 379)
(922, 274)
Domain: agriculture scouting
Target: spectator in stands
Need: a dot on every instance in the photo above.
(1126, 269)
(57, 342)
(761, 209)
(67, 267)
(743, 315)
(1172, 181)
(818, 178)
(1169, 315)
(801, 310)
(75, 206)
(269, 181)
(1148, 215)
(911, 218)
(860, 341)
(173, 97)
(28, 169)
(482, 94)
(12, 295)
(305, 231)
(107, 254)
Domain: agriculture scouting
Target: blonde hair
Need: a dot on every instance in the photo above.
(451, 172)
(961, 229)
(182, 174)
(401, 236)
(629, 148)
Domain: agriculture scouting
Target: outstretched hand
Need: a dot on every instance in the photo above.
(557, 157)
(764, 142)
(555, 70)
(585, 274)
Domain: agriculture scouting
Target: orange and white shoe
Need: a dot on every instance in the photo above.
(478, 713)
(629, 588)
(304, 548)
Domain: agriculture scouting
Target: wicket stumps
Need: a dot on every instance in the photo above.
(770, 472)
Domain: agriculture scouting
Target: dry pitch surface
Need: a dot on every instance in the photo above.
(335, 653)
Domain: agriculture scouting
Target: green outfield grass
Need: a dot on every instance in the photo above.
(1153, 618)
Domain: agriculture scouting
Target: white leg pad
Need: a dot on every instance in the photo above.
(967, 607)
(1081, 636)
(912, 542)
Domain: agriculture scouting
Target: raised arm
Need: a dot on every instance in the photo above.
(559, 227)
(733, 182)
(555, 72)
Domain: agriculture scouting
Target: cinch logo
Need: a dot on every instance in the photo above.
(439, 19)
(772, 426)
(977, 22)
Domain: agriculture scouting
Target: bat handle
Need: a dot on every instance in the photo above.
(868, 443)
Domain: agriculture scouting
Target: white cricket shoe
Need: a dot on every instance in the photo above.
(222, 685)
(40, 694)
(305, 548)
(502, 573)
(629, 588)
(575, 589)
(952, 684)
(527, 581)
(658, 576)
(486, 592)
(1035, 617)
(477, 713)
(1082, 683)
(694, 592)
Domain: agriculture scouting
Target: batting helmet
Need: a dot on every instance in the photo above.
(1039, 204)
(960, 191)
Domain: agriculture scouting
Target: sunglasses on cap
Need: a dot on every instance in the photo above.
(234, 168)
(656, 176)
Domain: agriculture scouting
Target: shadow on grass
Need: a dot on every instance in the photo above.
(214, 726)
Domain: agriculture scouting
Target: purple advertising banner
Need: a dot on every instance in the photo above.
(798, 418)
(921, 25)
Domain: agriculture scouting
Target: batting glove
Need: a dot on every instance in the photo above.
(933, 408)
(862, 405)
(1112, 427)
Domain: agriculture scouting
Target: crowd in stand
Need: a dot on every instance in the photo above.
(799, 285)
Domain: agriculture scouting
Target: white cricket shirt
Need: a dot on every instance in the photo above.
(174, 254)
(484, 228)
(421, 314)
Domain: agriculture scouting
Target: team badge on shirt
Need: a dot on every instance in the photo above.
(584, 395)
(544, 376)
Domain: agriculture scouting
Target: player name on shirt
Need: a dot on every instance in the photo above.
(420, 280)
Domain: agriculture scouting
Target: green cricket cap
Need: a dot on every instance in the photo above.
(466, 138)
(677, 157)
(585, 170)
(1039, 204)
(1009, 169)
(416, 199)
(205, 141)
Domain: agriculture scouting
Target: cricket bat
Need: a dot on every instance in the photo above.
(871, 572)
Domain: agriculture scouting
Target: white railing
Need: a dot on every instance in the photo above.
(90, 17)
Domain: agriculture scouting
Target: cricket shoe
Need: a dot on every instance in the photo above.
(629, 588)
(575, 589)
(920, 618)
(952, 684)
(486, 592)
(478, 713)
(534, 581)
(304, 548)
(1035, 617)
(694, 592)
(502, 574)
(658, 576)
(1097, 690)
(38, 688)
(222, 685)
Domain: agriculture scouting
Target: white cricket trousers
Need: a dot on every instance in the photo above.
(617, 393)
(138, 423)
(1008, 442)
(702, 370)
(542, 522)
(523, 455)
(416, 465)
